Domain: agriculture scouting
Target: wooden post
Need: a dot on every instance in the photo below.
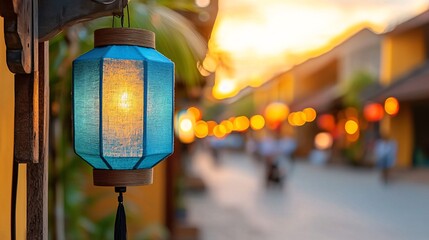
(37, 173)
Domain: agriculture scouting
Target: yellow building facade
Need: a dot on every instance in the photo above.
(401, 53)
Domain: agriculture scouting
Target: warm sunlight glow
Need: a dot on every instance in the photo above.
(282, 33)
(224, 89)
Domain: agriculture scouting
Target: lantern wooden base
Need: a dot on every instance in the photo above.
(122, 178)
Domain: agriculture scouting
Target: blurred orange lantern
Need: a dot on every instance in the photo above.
(391, 106)
(275, 113)
(326, 122)
(373, 112)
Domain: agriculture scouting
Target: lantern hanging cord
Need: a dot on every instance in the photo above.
(121, 15)
(120, 221)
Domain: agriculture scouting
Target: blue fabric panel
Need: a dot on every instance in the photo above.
(148, 161)
(86, 111)
(159, 81)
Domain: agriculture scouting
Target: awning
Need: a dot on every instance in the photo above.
(410, 87)
(321, 101)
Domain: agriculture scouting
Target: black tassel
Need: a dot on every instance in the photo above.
(121, 221)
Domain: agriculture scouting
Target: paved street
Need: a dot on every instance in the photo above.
(315, 203)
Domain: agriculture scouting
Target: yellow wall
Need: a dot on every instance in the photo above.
(6, 150)
(401, 53)
(401, 129)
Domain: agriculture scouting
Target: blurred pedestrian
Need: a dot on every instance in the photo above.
(385, 155)
(287, 147)
(270, 152)
(215, 146)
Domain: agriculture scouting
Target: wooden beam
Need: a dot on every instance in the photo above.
(37, 173)
(56, 15)
(26, 136)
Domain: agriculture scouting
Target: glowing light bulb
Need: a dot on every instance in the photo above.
(124, 101)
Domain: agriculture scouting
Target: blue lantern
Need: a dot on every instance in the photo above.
(123, 106)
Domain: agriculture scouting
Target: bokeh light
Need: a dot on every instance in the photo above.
(228, 126)
(391, 106)
(241, 123)
(195, 112)
(351, 127)
(310, 114)
(185, 127)
(211, 125)
(323, 141)
(219, 131)
(257, 122)
(373, 112)
(299, 118)
(201, 129)
(202, 3)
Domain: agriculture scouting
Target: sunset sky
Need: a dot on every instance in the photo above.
(253, 39)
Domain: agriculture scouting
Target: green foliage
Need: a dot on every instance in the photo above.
(358, 82)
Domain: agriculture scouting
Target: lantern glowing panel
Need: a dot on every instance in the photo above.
(123, 106)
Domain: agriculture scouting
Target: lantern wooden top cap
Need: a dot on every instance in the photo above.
(124, 36)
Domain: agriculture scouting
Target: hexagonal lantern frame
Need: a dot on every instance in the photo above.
(121, 145)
